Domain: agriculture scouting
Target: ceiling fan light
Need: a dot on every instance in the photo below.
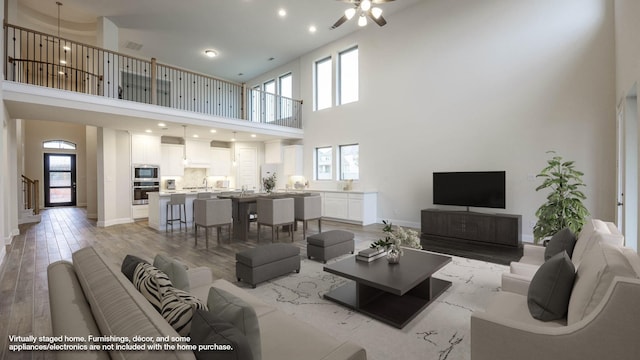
(376, 12)
(362, 20)
(349, 13)
(365, 5)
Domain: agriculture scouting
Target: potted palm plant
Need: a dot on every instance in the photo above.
(564, 207)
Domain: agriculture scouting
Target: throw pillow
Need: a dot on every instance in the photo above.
(176, 271)
(550, 288)
(178, 307)
(129, 265)
(151, 283)
(224, 341)
(236, 311)
(563, 240)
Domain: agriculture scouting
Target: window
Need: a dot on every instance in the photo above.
(286, 93)
(348, 76)
(270, 100)
(349, 162)
(255, 103)
(323, 84)
(324, 159)
(59, 144)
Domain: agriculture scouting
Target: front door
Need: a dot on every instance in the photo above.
(59, 180)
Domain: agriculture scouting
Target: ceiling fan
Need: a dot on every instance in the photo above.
(366, 9)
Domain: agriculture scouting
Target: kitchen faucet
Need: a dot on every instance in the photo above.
(206, 185)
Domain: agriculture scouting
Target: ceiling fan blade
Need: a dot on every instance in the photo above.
(381, 1)
(380, 20)
(339, 22)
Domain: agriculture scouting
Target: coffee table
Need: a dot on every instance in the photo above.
(391, 293)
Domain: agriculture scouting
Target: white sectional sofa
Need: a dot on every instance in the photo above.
(521, 272)
(91, 296)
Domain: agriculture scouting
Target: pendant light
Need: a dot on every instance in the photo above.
(233, 140)
(185, 162)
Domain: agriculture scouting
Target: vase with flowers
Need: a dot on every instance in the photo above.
(395, 239)
(269, 182)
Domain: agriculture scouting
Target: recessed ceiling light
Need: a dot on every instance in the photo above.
(282, 12)
(195, 135)
(60, 72)
(66, 48)
(211, 53)
(213, 131)
(253, 135)
(312, 29)
(63, 61)
(148, 131)
(162, 124)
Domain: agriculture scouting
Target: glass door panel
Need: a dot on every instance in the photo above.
(59, 180)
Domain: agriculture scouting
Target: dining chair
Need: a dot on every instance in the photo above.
(212, 213)
(308, 208)
(275, 213)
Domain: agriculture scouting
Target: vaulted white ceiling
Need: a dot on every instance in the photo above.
(249, 35)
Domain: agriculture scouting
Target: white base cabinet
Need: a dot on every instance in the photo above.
(350, 206)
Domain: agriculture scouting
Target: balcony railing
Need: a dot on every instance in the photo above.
(46, 60)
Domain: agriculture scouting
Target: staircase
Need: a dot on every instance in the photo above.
(30, 211)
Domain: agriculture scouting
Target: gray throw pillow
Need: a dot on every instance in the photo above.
(129, 265)
(550, 288)
(223, 340)
(236, 311)
(175, 270)
(563, 240)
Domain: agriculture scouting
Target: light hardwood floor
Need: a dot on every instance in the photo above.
(24, 300)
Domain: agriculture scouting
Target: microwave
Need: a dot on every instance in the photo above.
(146, 172)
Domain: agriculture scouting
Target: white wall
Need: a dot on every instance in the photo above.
(114, 191)
(91, 171)
(468, 85)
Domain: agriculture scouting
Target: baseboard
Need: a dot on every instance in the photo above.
(114, 222)
(92, 216)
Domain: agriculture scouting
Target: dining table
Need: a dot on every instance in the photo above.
(241, 209)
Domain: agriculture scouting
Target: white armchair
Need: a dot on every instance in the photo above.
(521, 272)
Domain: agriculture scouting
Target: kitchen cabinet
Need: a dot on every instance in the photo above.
(350, 206)
(273, 152)
(220, 162)
(172, 164)
(145, 150)
(293, 156)
(198, 153)
(336, 205)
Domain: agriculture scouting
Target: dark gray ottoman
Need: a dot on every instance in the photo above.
(266, 262)
(330, 244)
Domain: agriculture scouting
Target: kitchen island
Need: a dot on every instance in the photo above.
(158, 206)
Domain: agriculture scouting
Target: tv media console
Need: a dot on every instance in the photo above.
(481, 228)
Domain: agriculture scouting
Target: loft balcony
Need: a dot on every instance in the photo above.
(53, 62)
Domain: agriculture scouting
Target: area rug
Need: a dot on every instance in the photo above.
(441, 331)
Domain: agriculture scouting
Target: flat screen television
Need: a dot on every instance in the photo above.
(470, 188)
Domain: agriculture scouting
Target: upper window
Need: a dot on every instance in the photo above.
(323, 92)
(324, 161)
(349, 162)
(348, 76)
(270, 100)
(286, 93)
(59, 144)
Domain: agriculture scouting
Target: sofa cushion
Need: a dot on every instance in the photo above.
(594, 276)
(177, 308)
(592, 232)
(209, 329)
(550, 288)
(233, 309)
(151, 282)
(129, 265)
(563, 240)
(175, 270)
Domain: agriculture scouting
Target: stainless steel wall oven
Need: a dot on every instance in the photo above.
(146, 179)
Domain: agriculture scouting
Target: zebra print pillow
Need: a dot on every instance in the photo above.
(178, 307)
(151, 282)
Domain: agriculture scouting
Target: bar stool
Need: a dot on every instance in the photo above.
(178, 200)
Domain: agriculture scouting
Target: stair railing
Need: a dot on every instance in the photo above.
(31, 194)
